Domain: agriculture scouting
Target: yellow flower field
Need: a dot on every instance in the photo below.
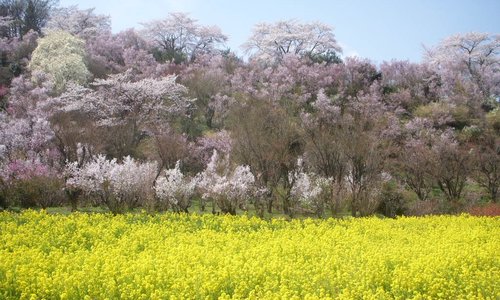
(171, 256)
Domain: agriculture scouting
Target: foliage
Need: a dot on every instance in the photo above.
(169, 93)
(21, 16)
(62, 56)
(35, 191)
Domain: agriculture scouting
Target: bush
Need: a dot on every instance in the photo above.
(442, 113)
(37, 191)
(3, 198)
(489, 210)
(424, 208)
(392, 200)
(175, 190)
(493, 119)
(119, 186)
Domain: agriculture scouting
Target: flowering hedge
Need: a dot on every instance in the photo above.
(179, 256)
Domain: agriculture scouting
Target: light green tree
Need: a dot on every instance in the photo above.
(62, 56)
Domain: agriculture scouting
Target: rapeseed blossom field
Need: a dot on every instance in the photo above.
(180, 256)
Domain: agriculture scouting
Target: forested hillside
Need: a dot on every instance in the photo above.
(165, 116)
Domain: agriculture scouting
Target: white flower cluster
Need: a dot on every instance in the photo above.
(117, 99)
(174, 187)
(232, 187)
(125, 181)
(308, 186)
(130, 181)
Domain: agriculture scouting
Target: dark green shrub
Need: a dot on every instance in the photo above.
(37, 191)
(392, 200)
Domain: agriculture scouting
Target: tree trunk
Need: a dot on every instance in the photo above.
(270, 205)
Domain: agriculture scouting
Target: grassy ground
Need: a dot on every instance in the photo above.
(195, 208)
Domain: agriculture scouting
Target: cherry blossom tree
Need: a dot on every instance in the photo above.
(137, 107)
(470, 60)
(175, 189)
(271, 42)
(180, 38)
(22, 137)
(141, 102)
(310, 189)
(25, 131)
(30, 182)
(23, 169)
(229, 188)
(82, 23)
(28, 93)
(119, 186)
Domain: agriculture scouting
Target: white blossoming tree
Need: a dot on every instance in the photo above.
(175, 189)
(181, 38)
(118, 99)
(62, 56)
(130, 107)
(309, 189)
(469, 61)
(273, 41)
(119, 186)
(229, 189)
(83, 23)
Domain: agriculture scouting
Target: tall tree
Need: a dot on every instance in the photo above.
(273, 41)
(469, 61)
(132, 108)
(83, 23)
(61, 55)
(180, 38)
(269, 141)
(26, 15)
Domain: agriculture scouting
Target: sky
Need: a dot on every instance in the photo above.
(379, 30)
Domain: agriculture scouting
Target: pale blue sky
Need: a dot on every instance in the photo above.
(378, 30)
